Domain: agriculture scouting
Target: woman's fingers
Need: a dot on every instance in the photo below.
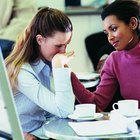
(61, 59)
(69, 54)
(67, 57)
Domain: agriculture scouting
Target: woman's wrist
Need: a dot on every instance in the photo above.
(60, 60)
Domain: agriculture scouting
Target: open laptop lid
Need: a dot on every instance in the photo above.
(9, 102)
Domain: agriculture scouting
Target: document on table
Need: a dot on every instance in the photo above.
(104, 127)
(88, 76)
(89, 84)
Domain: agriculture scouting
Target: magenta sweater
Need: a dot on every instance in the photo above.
(121, 67)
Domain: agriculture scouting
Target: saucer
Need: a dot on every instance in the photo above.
(134, 115)
(85, 118)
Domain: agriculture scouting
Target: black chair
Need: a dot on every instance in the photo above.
(6, 47)
(96, 45)
(5, 135)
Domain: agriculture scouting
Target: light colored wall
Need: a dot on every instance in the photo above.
(59, 4)
(84, 25)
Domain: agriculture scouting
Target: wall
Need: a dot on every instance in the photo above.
(52, 3)
(84, 25)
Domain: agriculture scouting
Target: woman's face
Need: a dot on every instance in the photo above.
(57, 43)
(120, 35)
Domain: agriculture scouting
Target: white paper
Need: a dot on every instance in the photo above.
(104, 127)
(88, 76)
(90, 84)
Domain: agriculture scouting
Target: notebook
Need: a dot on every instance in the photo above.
(7, 97)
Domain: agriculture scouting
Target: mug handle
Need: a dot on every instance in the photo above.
(115, 106)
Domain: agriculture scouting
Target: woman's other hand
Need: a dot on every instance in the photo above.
(101, 63)
(29, 136)
(60, 60)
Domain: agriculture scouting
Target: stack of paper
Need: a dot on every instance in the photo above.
(104, 127)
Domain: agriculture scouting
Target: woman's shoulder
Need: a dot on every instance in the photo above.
(27, 67)
(26, 71)
(117, 54)
(115, 57)
(33, 67)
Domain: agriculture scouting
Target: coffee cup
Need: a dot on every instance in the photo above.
(85, 110)
(126, 107)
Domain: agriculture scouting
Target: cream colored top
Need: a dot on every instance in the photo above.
(14, 17)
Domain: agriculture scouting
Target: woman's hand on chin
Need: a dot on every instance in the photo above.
(60, 60)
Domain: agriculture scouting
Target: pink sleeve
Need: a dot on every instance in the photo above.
(104, 91)
(82, 94)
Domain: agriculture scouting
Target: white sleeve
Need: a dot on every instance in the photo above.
(63, 89)
(59, 103)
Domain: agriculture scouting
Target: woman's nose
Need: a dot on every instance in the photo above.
(110, 37)
(63, 49)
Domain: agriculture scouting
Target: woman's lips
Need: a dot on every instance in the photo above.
(115, 44)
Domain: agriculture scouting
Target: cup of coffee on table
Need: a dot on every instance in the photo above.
(85, 110)
(126, 107)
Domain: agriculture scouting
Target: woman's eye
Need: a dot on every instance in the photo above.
(114, 29)
(58, 46)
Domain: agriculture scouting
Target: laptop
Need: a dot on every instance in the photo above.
(7, 97)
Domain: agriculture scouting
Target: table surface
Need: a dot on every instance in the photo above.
(59, 129)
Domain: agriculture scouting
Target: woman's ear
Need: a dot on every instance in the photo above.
(133, 23)
(39, 39)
